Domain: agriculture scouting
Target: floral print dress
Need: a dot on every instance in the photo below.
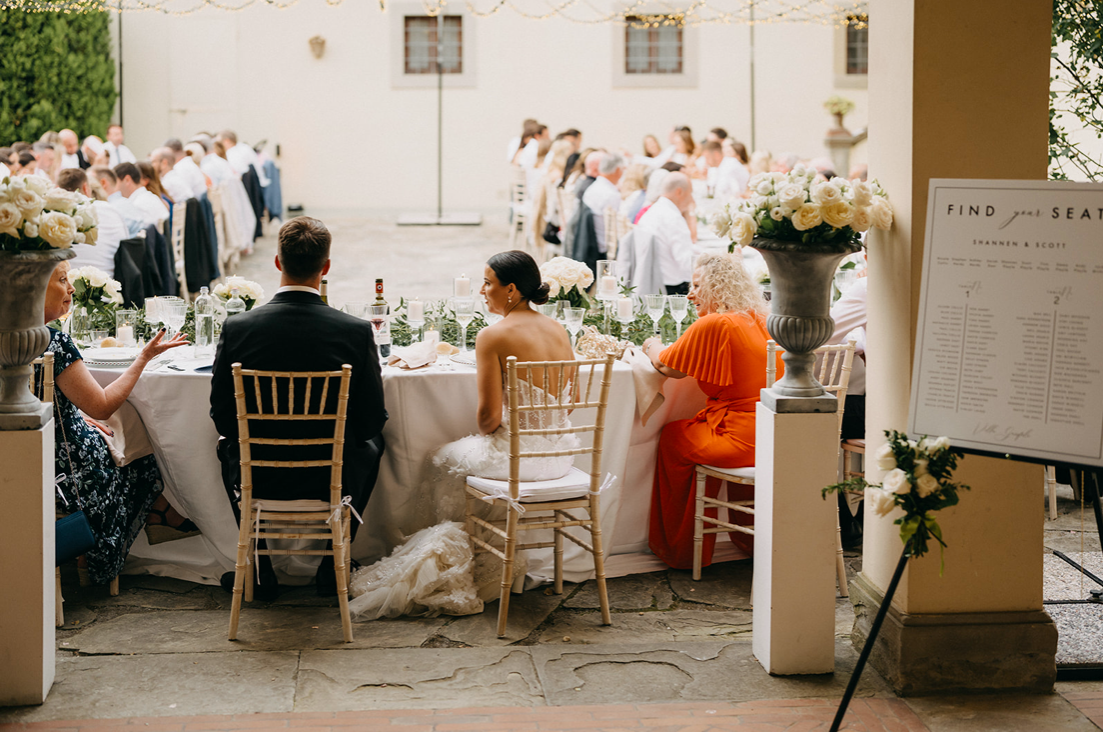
(115, 500)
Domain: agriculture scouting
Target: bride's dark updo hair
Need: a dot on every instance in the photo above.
(519, 269)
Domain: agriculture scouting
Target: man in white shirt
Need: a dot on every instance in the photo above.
(215, 167)
(727, 177)
(603, 193)
(667, 221)
(44, 159)
(110, 228)
(849, 314)
(172, 181)
(152, 208)
(190, 173)
(133, 218)
(241, 156)
(70, 158)
(116, 151)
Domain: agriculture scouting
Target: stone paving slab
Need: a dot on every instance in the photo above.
(1002, 712)
(634, 592)
(526, 613)
(416, 678)
(157, 685)
(572, 674)
(727, 584)
(259, 630)
(673, 625)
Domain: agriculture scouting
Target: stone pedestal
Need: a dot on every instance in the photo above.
(794, 543)
(27, 565)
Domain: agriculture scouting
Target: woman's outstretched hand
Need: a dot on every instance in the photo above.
(159, 345)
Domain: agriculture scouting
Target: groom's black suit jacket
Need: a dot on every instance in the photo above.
(296, 331)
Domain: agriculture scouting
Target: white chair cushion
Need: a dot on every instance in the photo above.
(574, 484)
(742, 473)
(296, 506)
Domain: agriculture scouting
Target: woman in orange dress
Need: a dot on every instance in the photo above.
(725, 350)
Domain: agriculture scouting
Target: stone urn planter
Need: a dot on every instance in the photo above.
(800, 307)
(23, 336)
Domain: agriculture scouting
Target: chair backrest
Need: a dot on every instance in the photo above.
(283, 405)
(46, 393)
(179, 214)
(833, 373)
(572, 380)
(612, 233)
(518, 184)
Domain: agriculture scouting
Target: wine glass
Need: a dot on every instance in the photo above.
(561, 311)
(377, 316)
(357, 309)
(679, 308)
(172, 314)
(465, 313)
(656, 305)
(573, 321)
(547, 308)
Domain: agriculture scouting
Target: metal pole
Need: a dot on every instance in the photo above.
(440, 112)
(753, 145)
(120, 68)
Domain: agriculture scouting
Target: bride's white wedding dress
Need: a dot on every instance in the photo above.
(434, 572)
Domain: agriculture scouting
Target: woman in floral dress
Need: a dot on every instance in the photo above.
(116, 500)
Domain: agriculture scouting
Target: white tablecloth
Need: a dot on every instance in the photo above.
(428, 408)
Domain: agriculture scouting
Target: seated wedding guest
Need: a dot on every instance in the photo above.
(671, 222)
(5, 159)
(545, 203)
(92, 152)
(784, 162)
(725, 350)
(516, 144)
(297, 331)
(110, 230)
(761, 162)
(651, 147)
(574, 137)
(858, 170)
(152, 182)
(153, 209)
(654, 190)
(529, 156)
(25, 163)
(717, 134)
(684, 146)
(735, 149)
(71, 143)
(171, 180)
(217, 169)
(591, 164)
(604, 194)
(118, 501)
(187, 168)
(727, 177)
(576, 170)
(44, 159)
(633, 188)
(242, 156)
(116, 151)
(133, 217)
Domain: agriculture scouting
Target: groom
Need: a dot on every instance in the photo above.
(297, 331)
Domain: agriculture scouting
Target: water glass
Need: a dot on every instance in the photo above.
(81, 321)
(172, 314)
(656, 306)
(357, 309)
(561, 310)
(679, 308)
(573, 321)
(126, 327)
(548, 308)
(96, 337)
(465, 313)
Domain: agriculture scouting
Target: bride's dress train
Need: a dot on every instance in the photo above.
(434, 571)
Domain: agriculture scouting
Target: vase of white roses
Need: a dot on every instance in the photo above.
(567, 279)
(804, 228)
(250, 292)
(98, 295)
(38, 226)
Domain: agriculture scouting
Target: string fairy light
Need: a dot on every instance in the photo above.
(636, 14)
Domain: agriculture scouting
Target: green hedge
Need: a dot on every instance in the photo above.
(56, 71)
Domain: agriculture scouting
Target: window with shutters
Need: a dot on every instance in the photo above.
(857, 44)
(420, 43)
(653, 45)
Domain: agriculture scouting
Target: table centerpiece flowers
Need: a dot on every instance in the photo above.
(567, 280)
(803, 227)
(98, 295)
(39, 223)
(250, 292)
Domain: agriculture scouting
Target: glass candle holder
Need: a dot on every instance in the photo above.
(126, 327)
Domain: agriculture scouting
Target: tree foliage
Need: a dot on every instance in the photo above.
(56, 71)
(1076, 87)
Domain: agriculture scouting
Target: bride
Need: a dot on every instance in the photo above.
(432, 572)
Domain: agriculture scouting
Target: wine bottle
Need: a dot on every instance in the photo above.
(324, 291)
(379, 299)
(383, 336)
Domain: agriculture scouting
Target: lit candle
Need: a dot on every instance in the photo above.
(463, 286)
(608, 285)
(415, 311)
(624, 308)
(125, 335)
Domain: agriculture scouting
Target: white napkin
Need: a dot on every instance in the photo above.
(413, 356)
(648, 381)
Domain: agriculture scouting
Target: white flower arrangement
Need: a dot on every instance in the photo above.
(94, 288)
(917, 480)
(794, 206)
(567, 279)
(250, 292)
(35, 216)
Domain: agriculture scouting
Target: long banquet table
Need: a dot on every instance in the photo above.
(428, 408)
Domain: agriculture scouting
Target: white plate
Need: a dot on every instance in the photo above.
(466, 358)
(110, 355)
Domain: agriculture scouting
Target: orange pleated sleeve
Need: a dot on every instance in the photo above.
(705, 351)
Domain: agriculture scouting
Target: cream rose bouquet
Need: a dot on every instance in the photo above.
(794, 206)
(918, 481)
(250, 292)
(98, 294)
(567, 280)
(36, 216)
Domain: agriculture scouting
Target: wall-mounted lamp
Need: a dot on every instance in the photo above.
(318, 46)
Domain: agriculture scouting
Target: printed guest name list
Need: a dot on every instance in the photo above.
(1009, 344)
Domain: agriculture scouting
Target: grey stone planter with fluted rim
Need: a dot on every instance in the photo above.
(800, 306)
(23, 333)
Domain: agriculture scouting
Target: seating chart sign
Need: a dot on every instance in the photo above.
(1009, 343)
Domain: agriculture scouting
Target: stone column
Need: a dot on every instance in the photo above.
(957, 90)
(27, 565)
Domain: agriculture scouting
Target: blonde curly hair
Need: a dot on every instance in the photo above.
(725, 285)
